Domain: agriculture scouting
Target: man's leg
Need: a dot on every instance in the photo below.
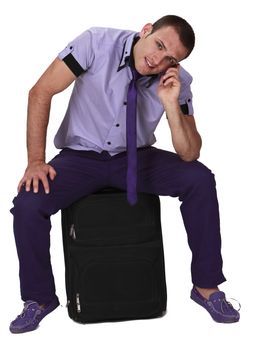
(78, 174)
(164, 173)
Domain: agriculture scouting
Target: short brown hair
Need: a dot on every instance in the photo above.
(183, 28)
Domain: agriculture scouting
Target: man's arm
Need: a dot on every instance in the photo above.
(55, 79)
(185, 137)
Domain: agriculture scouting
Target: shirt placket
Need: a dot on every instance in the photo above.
(118, 128)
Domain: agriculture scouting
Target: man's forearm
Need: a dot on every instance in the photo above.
(185, 138)
(37, 122)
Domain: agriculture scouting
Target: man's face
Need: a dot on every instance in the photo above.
(155, 53)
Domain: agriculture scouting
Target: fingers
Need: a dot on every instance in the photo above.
(171, 76)
(20, 185)
(172, 71)
(32, 178)
(52, 172)
(24, 182)
(34, 183)
(169, 86)
(28, 185)
(45, 184)
(169, 80)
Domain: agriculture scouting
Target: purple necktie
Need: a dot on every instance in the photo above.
(131, 135)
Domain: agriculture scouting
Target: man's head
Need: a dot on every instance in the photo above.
(163, 44)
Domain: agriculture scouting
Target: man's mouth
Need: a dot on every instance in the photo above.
(149, 64)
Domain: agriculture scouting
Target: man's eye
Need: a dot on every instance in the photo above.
(159, 46)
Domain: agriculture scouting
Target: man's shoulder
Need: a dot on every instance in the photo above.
(105, 33)
(185, 76)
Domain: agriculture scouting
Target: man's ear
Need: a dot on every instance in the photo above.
(146, 30)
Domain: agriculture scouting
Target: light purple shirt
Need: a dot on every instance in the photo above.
(96, 115)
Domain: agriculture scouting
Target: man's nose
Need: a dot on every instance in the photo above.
(157, 58)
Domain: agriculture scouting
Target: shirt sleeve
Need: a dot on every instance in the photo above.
(185, 97)
(79, 53)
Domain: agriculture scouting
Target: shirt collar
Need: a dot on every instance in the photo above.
(127, 58)
(127, 51)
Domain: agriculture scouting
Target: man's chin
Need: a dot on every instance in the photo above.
(148, 72)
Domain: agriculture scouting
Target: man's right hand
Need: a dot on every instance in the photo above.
(35, 172)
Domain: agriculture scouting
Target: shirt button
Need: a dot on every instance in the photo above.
(117, 125)
(125, 103)
(109, 143)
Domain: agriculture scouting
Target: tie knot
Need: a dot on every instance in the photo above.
(135, 74)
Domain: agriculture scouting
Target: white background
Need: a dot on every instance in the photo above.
(226, 69)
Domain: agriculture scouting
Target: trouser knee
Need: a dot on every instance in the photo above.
(200, 176)
(31, 212)
(30, 203)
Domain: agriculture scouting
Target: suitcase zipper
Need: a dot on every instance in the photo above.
(72, 232)
(78, 305)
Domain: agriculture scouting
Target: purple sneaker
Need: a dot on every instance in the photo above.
(219, 308)
(31, 316)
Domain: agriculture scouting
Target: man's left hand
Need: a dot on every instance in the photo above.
(169, 86)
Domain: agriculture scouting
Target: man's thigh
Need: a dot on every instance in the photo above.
(165, 173)
(77, 175)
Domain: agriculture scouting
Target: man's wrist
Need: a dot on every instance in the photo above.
(172, 105)
(35, 161)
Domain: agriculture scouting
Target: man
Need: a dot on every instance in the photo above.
(92, 136)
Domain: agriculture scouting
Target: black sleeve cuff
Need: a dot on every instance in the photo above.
(74, 66)
(184, 108)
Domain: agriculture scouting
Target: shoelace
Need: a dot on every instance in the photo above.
(227, 305)
(26, 306)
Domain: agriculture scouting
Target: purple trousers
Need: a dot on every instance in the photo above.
(80, 173)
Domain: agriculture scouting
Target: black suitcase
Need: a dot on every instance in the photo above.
(114, 260)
